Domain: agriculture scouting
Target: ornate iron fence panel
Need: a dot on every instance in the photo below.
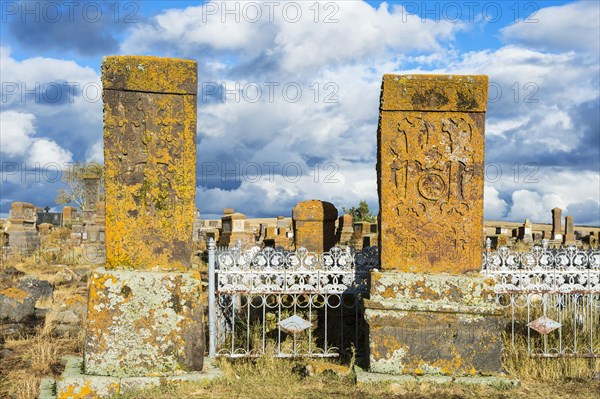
(551, 296)
(287, 304)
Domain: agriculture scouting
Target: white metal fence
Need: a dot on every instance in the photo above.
(287, 303)
(552, 297)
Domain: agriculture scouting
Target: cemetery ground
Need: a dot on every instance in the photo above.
(26, 356)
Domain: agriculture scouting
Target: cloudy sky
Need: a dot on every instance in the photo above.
(289, 91)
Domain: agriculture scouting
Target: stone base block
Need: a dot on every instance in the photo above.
(144, 324)
(366, 377)
(433, 324)
(73, 384)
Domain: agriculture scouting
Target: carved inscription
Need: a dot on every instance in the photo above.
(430, 176)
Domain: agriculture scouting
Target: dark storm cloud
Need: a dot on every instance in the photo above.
(83, 27)
(518, 146)
(585, 212)
(36, 186)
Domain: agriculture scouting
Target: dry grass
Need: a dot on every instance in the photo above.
(275, 378)
(518, 363)
(37, 354)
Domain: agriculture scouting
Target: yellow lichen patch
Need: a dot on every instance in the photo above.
(149, 74)
(150, 165)
(74, 300)
(15, 293)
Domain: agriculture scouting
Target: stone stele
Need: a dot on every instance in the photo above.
(149, 161)
(428, 311)
(145, 307)
(314, 225)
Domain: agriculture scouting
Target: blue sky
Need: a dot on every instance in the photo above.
(289, 94)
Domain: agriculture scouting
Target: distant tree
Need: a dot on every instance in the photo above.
(361, 213)
(73, 178)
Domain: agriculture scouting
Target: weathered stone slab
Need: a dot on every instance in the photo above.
(428, 313)
(144, 323)
(16, 305)
(149, 161)
(422, 324)
(314, 225)
(430, 172)
(73, 384)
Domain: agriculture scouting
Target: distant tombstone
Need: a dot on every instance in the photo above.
(45, 229)
(345, 229)
(234, 229)
(22, 234)
(314, 225)
(569, 238)
(68, 215)
(556, 224)
(91, 192)
(525, 232)
(53, 218)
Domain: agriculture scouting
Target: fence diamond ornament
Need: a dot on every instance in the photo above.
(544, 325)
(295, 324)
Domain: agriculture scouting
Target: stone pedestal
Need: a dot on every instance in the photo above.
(429, 310)
(144, 323)
(433, 324)
(314, 225)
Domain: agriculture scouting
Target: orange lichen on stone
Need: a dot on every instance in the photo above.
(314, 225)
(15, 293)
(149, 161)
(430, 172)
(86, 391)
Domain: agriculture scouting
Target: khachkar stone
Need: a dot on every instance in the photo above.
(144, 311)
(149, 161)
(569, 238)
(314, 225)
(91, 192)
(429, 312)
(557, 224)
